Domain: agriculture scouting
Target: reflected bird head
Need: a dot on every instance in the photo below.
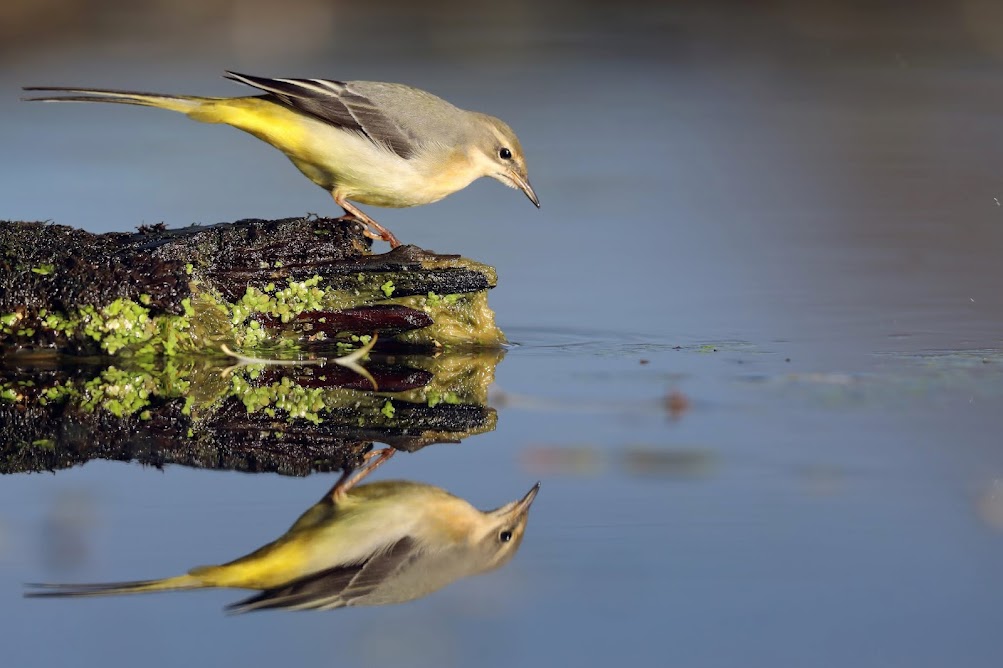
(502, 532)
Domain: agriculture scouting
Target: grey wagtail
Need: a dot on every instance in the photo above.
(384, 144)
(375, 544)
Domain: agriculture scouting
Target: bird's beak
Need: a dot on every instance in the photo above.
(523, 504)
(524, 186)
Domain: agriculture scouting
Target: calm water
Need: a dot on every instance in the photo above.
(799, 234)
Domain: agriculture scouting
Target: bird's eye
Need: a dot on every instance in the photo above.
(505, 536)
(505, 154)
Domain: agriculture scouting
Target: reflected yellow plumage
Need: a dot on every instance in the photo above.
(372, 544)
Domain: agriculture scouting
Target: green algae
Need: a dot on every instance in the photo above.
(458, 378)
(131, 327)
(123, 326)
(194, 411)
(139, 386)
(458, 320)
(435, 398)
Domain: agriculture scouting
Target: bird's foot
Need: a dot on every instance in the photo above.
(370, 227)
(373, 230)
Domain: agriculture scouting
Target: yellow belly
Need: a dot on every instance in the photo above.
(344, 162)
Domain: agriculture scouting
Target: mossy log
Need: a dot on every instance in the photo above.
(253, 284)
(290, 420)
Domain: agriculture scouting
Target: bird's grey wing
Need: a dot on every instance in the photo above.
(334, 587)
(338, 103)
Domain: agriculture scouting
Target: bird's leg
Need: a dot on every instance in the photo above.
(370, 227)
(350, 478)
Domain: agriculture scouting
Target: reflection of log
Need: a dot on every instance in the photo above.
(252, 283)
(288, 420)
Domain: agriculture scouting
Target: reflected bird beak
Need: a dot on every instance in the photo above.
(525, 502)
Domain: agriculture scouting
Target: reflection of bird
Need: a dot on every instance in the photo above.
(376, 143)
(375, 544)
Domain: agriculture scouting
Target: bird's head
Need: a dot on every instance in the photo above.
(501, 156)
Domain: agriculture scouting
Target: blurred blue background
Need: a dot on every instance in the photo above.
(790, 211)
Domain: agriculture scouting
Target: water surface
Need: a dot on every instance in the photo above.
(756, 359)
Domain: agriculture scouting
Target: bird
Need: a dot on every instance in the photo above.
(375, 544)
(371, 142)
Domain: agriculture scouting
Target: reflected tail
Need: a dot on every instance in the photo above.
(42, 590)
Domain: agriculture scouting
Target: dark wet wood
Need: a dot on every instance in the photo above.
(47, 269)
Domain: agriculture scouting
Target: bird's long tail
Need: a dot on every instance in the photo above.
(40, 590)
(184, 104)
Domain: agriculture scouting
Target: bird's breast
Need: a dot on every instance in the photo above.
(352, 166)
(422, 179)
